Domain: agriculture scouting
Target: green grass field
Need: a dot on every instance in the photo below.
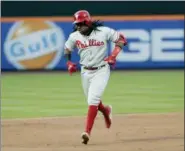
(58, 94)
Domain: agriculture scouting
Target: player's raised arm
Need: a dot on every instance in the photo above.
(119, 41)
(69, 45)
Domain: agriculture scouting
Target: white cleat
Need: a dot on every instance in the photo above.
(108, 118)
(85, 138)
(110, 114)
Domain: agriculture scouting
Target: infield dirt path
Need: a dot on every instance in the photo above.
(142, 132)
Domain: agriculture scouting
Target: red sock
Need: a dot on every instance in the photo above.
(92, 112)
(102, 108)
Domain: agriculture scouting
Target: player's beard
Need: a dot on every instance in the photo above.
(84, 30)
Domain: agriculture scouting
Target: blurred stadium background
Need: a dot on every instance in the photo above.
(148, 78)
(32, 40)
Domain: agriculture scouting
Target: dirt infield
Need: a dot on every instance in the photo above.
(142, 132)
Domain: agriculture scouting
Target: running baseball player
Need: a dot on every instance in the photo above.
(91, 38)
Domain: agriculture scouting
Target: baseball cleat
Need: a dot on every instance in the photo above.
(85, 138)
(108, 117)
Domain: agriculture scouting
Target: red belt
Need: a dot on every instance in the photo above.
(94, 68)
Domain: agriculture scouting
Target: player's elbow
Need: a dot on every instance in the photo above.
(121, 41)
(67, 51)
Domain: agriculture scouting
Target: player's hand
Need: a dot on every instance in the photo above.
(71, 67)
(111, 60)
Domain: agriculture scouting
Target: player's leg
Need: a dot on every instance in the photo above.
(107, 113)
(85, 78)
(96, 89)
(92, 109)
(105, 110)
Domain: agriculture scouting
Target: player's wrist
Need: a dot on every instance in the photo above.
(70, 63)
(68, 56)
(116, 51)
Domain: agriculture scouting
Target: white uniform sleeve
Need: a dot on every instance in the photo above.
(112, 34)
(70, 43)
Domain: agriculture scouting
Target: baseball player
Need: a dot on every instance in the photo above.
(91, 38)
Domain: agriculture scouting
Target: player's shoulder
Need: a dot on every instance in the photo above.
(73, 34)
(103, 28)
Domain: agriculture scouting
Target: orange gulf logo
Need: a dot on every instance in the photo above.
(34, 45)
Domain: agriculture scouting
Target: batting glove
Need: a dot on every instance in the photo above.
(111, 61)
(71, 67)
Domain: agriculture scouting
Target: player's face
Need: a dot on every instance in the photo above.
(82, 28)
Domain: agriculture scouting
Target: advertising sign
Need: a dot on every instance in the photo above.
(38, 43)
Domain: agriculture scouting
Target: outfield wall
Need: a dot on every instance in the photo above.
(37, 42)
(67, 8)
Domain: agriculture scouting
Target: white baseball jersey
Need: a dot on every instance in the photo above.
(93, 48)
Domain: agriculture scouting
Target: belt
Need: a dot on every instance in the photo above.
(94, 68)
